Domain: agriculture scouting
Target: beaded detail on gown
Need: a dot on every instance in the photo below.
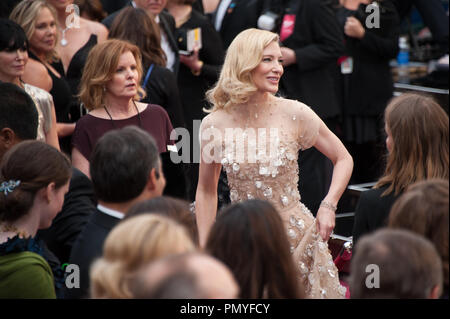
(260, 160)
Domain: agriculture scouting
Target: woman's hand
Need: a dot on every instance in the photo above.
(353, 28)
(325, 222)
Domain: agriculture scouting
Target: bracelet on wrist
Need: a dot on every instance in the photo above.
(328, 205)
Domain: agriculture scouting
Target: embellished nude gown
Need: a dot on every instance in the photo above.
(260, 159)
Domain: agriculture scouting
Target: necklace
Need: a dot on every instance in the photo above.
(137, 110)
(64, 41)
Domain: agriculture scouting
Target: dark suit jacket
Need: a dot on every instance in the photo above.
(167, 24)
(87, 248)
(113, 5)
(198, 5)
(240, 15)
(79, 205)
(162, 89)
(372, 212)
(318, 43)
(371, 56)
(193, 88)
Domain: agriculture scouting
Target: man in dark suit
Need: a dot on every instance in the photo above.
(155, 9)
(125, 168)
(233, 16)
(311, 44)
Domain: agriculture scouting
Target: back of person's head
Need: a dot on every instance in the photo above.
(420, 142)
(423, 209)
(185, 276)
(393, 263)
(91, 9)
(235, 85)
(250, 238)
(12, 36)
(121, 163)
(25, 169)
(129, 246)
(175, 208)
(101, 65)
(17, 113)
(136, 26)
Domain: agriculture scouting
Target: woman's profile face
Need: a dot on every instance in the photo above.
(12, 63)
(55, 203)
(266, 76)
(124, 82)
(43, 39)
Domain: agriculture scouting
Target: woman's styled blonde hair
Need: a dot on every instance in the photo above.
(419, 128)
(25, 14)
(133, 243)
(100, 67)
(235, 85)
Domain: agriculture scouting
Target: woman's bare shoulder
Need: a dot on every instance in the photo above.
(36, 74)
(218, 118)
(97, 28)
(293, 106)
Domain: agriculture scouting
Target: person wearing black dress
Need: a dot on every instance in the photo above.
(39, 70)
(368, 51)
(198, 71)
(73, 46)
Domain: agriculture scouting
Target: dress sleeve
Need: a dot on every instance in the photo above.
(80, 138)
(210, 140)
(308, 127)
(44, 103)
(46, 107)
(169, 129)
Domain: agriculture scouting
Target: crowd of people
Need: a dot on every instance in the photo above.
(277, 107)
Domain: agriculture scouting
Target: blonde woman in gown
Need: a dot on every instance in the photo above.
(256, 137)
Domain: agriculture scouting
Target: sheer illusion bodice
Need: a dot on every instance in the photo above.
(257, 145)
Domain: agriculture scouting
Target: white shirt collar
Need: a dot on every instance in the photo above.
(220, 14)
(110, 212)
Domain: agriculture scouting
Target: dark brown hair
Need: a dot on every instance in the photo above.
(92, 8)
(419, 129)
(175, 208)
(250, 238)
(35, 164)
(135, 26)
(423, 209)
